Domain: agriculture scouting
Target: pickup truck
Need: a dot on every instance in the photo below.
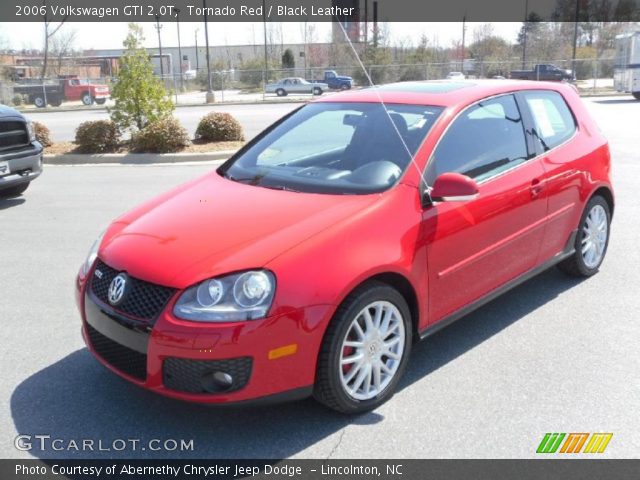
(20, 153)
(544, 72)
(65, 88)
(335, 81)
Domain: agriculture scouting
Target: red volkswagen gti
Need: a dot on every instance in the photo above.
(309, 262)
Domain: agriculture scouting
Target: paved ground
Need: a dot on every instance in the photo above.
(554, 355)
(253, 118)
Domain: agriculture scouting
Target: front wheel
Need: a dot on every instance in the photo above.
(591, 241)
(317, 91)
(344, 86)
(281, 93)
(87, 99)
(365, 350)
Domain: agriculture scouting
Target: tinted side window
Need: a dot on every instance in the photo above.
(553, 121)
(484, 140)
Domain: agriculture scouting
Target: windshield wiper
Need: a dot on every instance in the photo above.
(280, 187)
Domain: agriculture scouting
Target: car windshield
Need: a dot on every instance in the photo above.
(340, 148)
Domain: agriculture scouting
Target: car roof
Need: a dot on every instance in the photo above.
(444, 93)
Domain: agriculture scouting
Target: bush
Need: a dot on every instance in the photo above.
(99, 136)
(219, 127)
(17, 99)
(166, 135)
(43, 135)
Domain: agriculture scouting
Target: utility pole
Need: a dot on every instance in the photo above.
(210, 97)
(266, 58)
(177, 12)
(575, 38)
(464, 32)
(526, 32)
(158, 28)
(375, 24)
(197, 59)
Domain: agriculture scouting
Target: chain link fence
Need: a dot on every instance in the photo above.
(593, 76)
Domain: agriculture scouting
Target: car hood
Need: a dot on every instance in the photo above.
(213, 226)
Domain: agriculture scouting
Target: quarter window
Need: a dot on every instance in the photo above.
(553, 121)
(486, 139)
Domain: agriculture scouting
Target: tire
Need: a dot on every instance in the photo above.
(87, 99)
(39, 102)
(101, 101)
(337, 382)
(344, 86)
(14, 191)
(281, 92)
(317, 91)
(636, 95)
(56, 102)
(594, 229)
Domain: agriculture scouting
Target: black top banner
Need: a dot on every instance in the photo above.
(317, 10)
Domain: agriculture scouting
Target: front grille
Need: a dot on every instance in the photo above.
(186, 375)
(144, 300)
(122, 358)
(13, 134)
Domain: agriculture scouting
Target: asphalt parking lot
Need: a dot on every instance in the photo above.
(554, 355)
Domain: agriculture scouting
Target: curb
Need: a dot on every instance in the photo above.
(83, 108)
(134, 158)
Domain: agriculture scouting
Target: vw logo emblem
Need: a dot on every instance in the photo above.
(117, 289)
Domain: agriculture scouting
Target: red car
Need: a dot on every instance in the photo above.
(312, 260)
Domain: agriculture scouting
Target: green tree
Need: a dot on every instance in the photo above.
(140, 97)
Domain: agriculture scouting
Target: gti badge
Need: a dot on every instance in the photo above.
(117, 289)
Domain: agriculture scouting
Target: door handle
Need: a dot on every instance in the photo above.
(536, 187)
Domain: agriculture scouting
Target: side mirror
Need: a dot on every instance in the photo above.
(454, 187)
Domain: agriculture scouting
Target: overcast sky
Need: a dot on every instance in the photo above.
(111, 34)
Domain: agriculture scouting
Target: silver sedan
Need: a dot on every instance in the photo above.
(286, 86)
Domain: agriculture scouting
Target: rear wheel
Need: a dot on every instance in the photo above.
(39, 102)
(14, 191)
(344, 86)
(636, 95)
(365, 350)
(591, 241)
(56, 102)
(101, 101)
(317, 91)
(281, 93)
(87, 99)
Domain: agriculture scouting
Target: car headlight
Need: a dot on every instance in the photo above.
(239, 296)
(93, 254)
(32, 131)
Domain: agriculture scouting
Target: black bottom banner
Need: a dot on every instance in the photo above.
(319, 469)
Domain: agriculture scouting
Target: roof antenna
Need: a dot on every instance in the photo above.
(384, 106)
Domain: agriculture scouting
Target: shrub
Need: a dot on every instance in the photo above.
(43, 135)
(99, 136)
(162, 136)
(17, 99)
(219, 127)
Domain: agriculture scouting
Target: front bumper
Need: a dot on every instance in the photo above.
(272, 359)
(24, 165)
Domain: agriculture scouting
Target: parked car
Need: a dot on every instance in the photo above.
(68, 89)
(311, 260)
(544, 72)
(20, 153)
(335, 81)
(455, 76)
(298, 85)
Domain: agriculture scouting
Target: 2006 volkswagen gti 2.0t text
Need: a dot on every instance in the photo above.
(310, 261)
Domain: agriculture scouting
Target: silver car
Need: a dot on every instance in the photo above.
(295, 85)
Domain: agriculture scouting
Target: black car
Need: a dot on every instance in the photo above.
(20, 153)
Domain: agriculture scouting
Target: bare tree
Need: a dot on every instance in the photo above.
(62, 46)
(50, 29)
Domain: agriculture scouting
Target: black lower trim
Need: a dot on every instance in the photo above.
(276, 398)
(458, 314)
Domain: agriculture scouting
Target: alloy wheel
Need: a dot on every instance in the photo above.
(594, 236)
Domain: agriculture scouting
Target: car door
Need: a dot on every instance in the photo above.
(475, 246)
(552, 127)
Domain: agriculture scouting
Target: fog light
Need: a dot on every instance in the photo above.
(217, 382)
